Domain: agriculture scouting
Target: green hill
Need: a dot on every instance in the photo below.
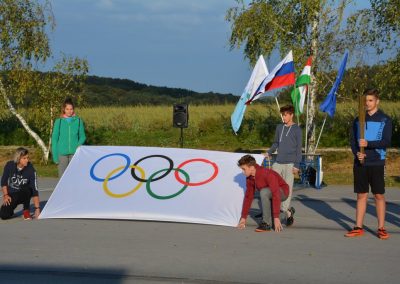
(120, 92)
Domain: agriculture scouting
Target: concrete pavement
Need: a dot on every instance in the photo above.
(111, 251)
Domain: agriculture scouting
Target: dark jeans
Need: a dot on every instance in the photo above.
(21, 197)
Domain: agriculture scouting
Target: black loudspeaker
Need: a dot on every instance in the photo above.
(180, 116)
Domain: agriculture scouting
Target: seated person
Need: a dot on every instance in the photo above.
(273, 189)
(19, 184)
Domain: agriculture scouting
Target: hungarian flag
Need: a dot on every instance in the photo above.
(299, 92)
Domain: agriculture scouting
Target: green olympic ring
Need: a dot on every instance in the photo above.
(152, 194)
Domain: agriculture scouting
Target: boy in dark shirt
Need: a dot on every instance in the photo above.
(19, 184)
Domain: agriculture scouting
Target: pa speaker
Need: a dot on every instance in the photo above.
(180, 116)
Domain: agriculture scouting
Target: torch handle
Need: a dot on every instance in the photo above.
(361, 121)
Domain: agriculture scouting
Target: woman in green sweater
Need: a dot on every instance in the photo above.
(68, 135)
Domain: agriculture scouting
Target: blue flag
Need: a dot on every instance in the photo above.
(329, 104)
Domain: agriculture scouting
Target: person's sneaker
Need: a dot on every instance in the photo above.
(356, 232)
(383, 234)
(290, 220)
(263, 227)
(27, 215)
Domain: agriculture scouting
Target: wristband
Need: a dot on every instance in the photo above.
(37, 208)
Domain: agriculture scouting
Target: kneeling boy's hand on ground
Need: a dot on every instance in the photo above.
(242, 223)
(278, 225)
(37, 213)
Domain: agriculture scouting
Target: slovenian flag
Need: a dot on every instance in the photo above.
(260, 71)
(299, 93)
(281, 76)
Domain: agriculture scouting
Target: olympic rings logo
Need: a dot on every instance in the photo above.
(117, 172)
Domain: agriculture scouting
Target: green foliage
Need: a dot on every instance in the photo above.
(378, 26)
(23, 37)
(264, 26)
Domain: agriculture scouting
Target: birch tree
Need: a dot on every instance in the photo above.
(24, 47)
(308, 27)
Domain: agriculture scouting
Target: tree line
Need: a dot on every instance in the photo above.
(99, 91)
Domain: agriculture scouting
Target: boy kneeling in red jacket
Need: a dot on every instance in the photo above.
(273, 190)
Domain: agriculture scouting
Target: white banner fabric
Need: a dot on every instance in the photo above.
(150, 183)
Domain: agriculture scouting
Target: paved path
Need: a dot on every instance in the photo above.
(109, 251)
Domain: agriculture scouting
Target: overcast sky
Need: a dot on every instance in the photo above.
(173, 43)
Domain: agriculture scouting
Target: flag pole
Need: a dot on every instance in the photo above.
(361, 121)
(307, 100)
(297, 114)
(320, 133)
(279, 108)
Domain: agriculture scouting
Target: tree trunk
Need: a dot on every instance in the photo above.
(313, 87)
(32, 133)
(51, 131)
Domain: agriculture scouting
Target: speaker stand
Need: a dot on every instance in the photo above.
(181, 138)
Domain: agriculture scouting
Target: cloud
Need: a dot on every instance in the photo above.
(180, 16)
(171, 12)
(105, 4)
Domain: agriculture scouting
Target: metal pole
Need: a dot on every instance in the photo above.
(181, 138)
(279, 108)
(305, 144)
(319, 137)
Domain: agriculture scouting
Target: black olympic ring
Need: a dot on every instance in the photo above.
(171, 166)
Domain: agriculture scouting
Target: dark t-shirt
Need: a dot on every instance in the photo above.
(15, 178)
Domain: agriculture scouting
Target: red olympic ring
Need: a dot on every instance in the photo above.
(178, 178)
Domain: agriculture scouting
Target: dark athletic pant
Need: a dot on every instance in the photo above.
(20, 197)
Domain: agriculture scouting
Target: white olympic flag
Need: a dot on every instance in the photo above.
(150, 183)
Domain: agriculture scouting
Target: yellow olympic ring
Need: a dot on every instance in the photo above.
(120, 195)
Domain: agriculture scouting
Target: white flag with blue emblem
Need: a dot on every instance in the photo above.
(260, 71)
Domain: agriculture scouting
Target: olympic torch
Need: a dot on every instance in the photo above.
(361, 121)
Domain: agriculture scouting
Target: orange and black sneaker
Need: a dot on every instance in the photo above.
(356, 232)
(263, 227)
(383, 234)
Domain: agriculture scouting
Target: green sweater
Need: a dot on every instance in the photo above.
(67, 136)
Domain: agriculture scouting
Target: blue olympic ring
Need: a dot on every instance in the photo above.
(128, 162)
